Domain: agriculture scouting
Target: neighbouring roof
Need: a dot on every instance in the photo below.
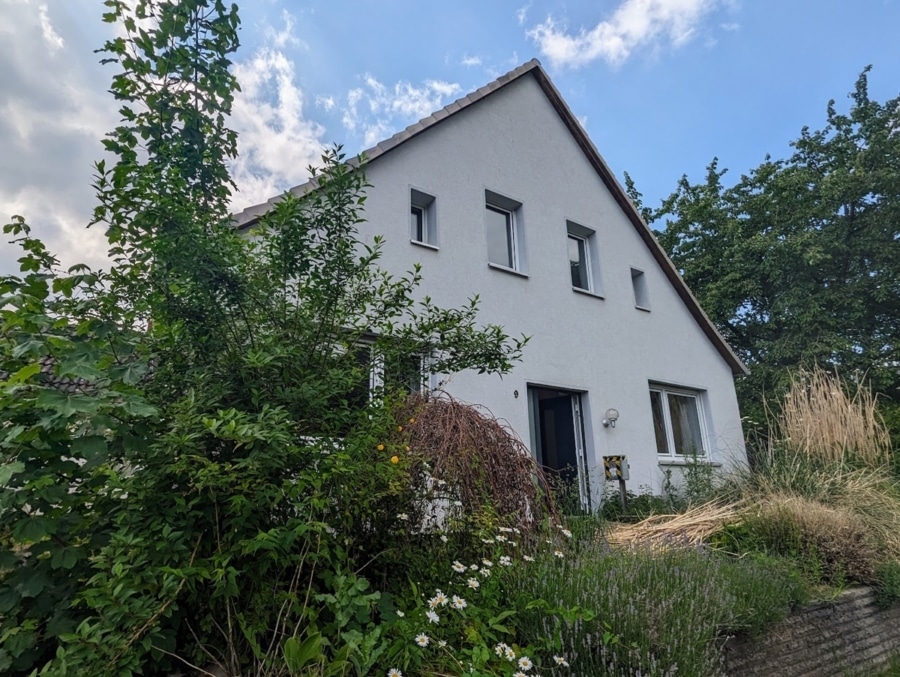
(251, 215)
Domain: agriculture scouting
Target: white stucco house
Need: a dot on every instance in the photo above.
(502, 194)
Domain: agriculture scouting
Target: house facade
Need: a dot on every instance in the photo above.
(502, 194)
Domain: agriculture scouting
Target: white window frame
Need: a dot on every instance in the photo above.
(698, 397)
(515, 241)
(424, 204)
(591, 258)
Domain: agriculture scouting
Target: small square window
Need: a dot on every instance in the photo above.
(677, 422)
(503, 229)
(639, 284)
(422, 218)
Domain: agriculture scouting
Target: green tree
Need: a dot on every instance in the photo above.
(798, 262)
(184, 435)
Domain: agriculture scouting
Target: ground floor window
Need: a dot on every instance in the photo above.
(677, 421)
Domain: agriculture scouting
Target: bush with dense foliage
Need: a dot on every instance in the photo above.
(193, 469)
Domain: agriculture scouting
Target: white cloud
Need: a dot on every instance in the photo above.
(53, 113)
(51, 37)
(375, 109)
(284, 37)
(522, 14)
(470, 60)
(276, 142)
(634, 23)
(326, 102)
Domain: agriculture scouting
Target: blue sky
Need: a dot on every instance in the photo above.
(662, 86)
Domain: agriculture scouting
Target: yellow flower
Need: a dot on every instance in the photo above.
(380, 447)
(399, 428)
(407, 447)
(412, 420)
(395, 459)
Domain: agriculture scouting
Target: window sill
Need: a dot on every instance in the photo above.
(504, 269)
(586, 292)
(426, 245)
(644, 308)
(681, 461)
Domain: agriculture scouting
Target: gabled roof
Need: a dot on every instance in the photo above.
(249, 216)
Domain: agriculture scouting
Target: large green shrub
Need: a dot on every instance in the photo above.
(192, 471)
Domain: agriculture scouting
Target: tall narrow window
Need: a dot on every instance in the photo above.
(501, 237)
(503, 226)
(583, 259)
(422, 218)
(579, 263)
(639, 284)
(417, 224)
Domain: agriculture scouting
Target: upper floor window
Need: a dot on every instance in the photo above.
(503, 227)
(422, 218)
(583, 258)
(639, 284)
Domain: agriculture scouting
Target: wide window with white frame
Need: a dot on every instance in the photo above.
(678, 421)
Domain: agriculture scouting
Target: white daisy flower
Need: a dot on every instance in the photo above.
(458, 567)
(518, 673)
(394, 672)
(459, 602)
(432, 617)
(488, 563)
(403, 516)
(501, 648)
(485, 572)
(444, 538)
(567, 533)
(442, 643)
(473, 583)
(528, 558)
(399, 613)
(525, 664)
(509, 653)
(505, 561)
(500, 538)
(422, 639)
(473, 567)
(561, 661)
(487, 541)
(440, 598)
(558, 553)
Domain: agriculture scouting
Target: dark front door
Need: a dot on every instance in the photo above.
(559, 436)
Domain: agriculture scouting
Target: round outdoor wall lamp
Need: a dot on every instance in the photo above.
(611, 416)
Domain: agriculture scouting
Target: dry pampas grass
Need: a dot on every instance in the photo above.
(820, 420)
(690, 528)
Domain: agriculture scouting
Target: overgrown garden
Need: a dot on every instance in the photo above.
(197, 473)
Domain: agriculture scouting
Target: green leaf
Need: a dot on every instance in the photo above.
(7, 470)
(64, 558)
(31, 529)
(23, 374)
(90, 447)
(297, 655)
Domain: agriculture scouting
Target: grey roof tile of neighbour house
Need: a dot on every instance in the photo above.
(251, 215)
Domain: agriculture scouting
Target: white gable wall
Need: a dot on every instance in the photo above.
(515, 144)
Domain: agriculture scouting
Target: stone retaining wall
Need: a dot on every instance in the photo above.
(847, 636)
